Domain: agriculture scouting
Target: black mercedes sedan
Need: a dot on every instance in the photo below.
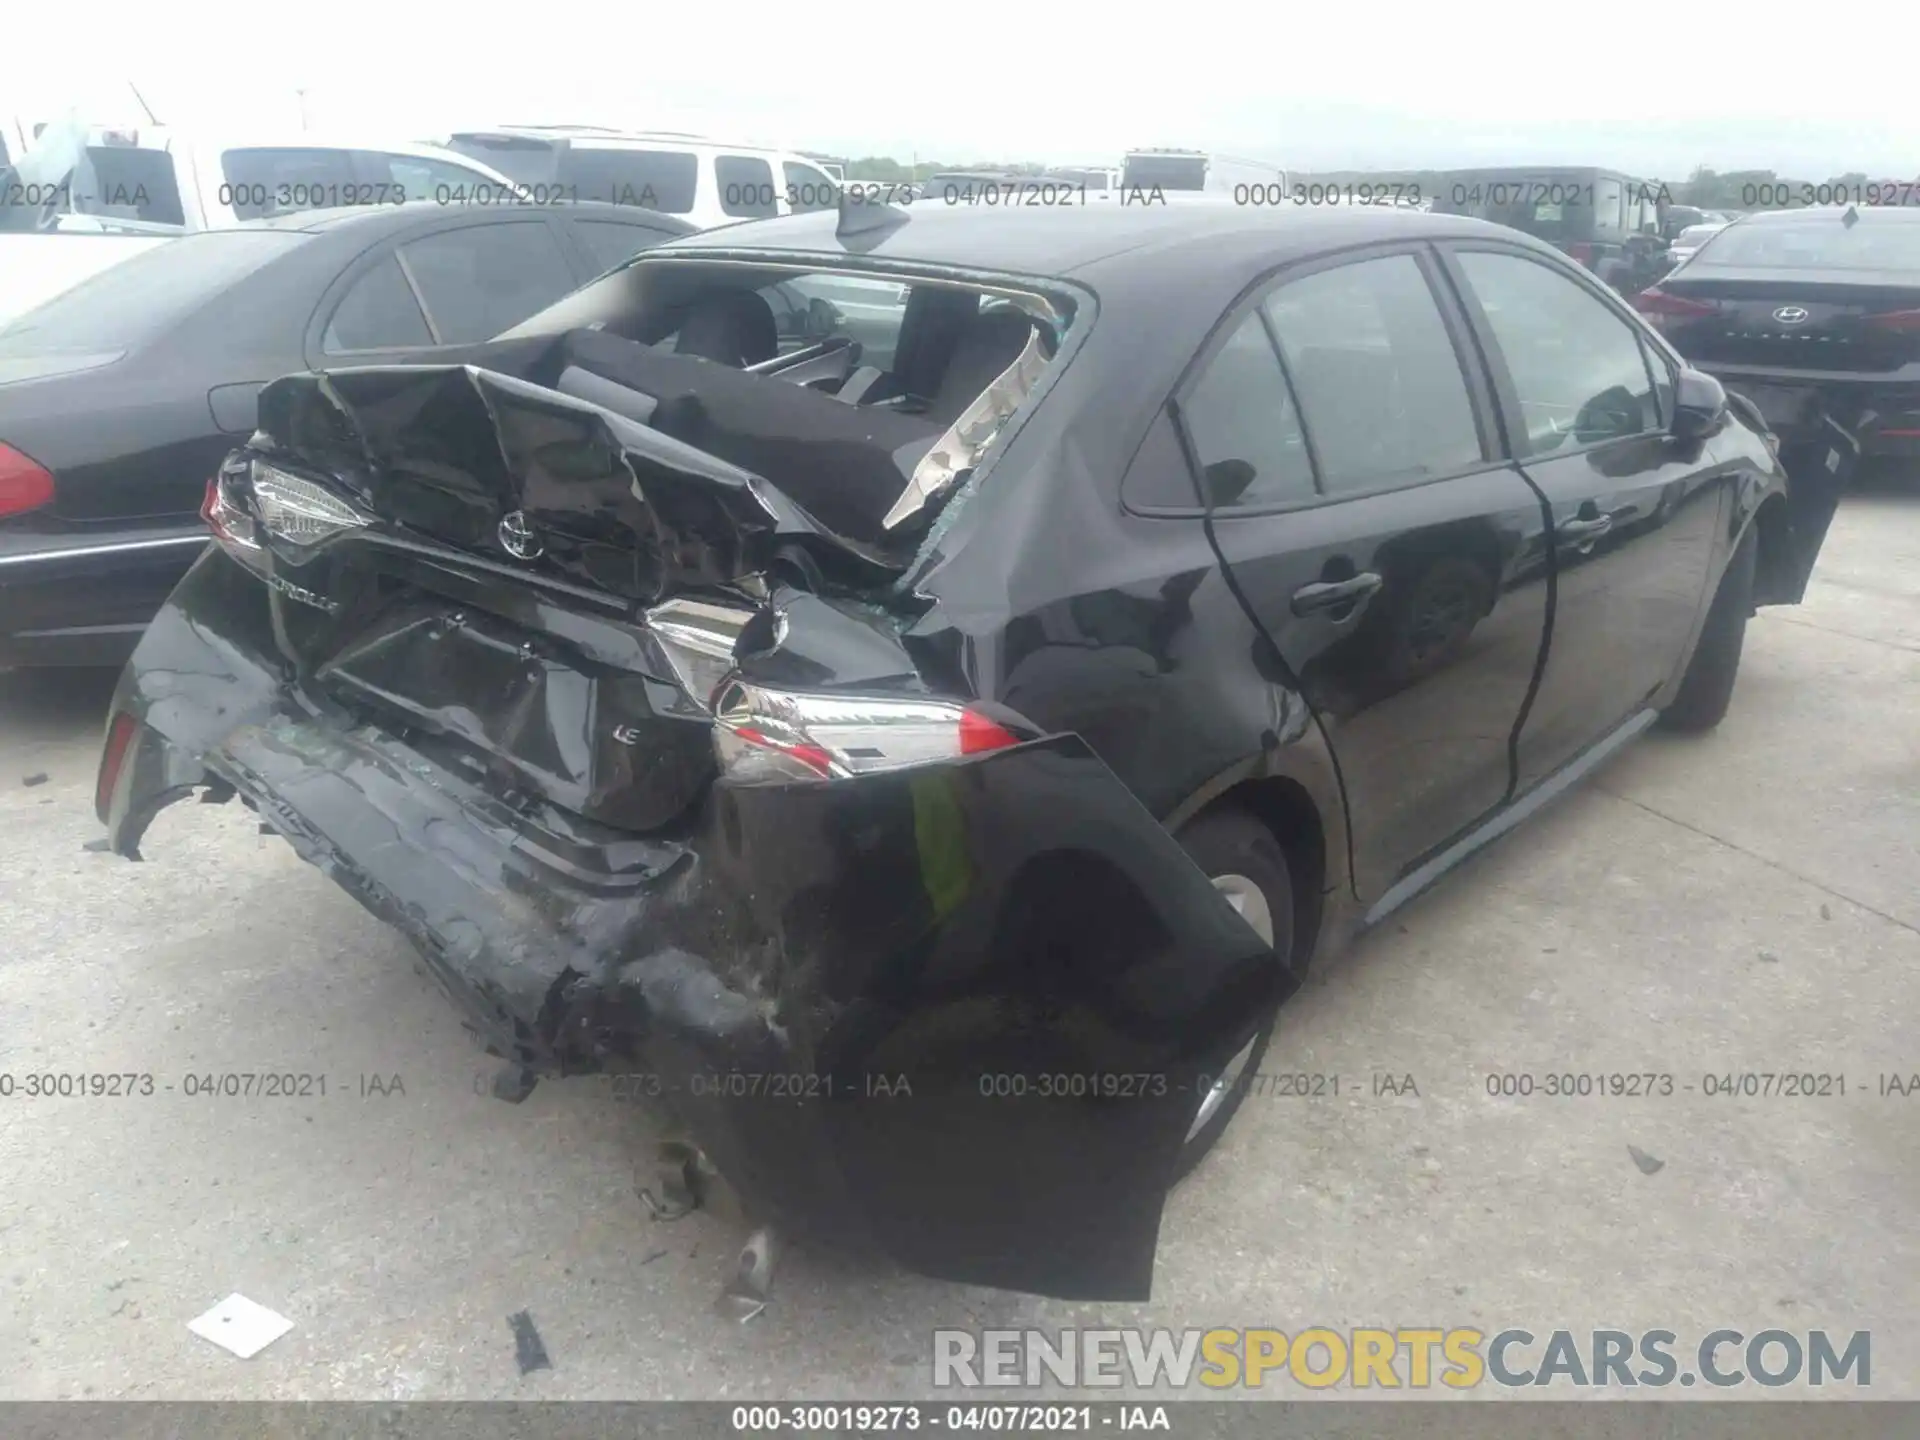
(923, 762)
(119, 399)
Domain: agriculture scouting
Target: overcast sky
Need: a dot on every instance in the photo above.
(1650, 86)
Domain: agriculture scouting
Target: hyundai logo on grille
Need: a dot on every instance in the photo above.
(517, 537)
(1791, 315)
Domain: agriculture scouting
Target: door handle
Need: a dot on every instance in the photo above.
(1584, 532)
(1331, 594)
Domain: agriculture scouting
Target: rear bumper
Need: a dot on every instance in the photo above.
(1882, 414)
(961, 1011)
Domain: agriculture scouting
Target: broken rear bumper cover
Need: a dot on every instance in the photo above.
(965, 1012)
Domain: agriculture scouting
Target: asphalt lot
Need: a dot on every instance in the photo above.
(1745, 902)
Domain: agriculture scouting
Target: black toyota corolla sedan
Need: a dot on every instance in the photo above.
(927, 758)
(119, 398)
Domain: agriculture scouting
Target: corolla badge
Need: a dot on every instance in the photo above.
(1791, 315)
(518, 538)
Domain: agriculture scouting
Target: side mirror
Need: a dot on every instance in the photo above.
(1227, 481)
(1699, 405)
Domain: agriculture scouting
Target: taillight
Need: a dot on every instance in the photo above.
(1894, 320)
(1581, 252)
(762, 735)
(1662, 308)
(119, 736)
(229, 521)
(25, 484)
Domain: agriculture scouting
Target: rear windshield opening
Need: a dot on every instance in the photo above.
(866, 398)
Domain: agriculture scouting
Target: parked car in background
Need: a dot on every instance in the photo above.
(975, 730)
(704, 181)
(119, 398)
(1183, 170)
(1609, 222)
(166, 181)
(1689, 240)
(44, 250)
(1813, 314)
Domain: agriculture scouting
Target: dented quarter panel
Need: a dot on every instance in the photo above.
(910, 950)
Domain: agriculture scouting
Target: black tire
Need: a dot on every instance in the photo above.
(1707, 688)
(1226, 842)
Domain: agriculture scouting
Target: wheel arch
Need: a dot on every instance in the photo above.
(1286, 809)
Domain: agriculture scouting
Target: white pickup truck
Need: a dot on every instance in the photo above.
(81, 198)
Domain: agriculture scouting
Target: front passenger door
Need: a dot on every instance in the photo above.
(1587, 406)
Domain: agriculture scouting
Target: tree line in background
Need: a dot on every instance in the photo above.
(1705, 188)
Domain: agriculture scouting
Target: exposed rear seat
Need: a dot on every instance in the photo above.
(846, 465)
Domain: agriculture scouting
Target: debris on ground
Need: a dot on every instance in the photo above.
(39, 777)
(97, 847)
(528, 1352)
(1648, 1165)
(240, 1325)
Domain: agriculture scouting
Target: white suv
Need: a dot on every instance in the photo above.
(158, 181)
(705, 181)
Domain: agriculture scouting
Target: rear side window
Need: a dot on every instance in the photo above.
(281, 181)
(665, 180)
(482, 279)
(1578, 369)
(809, 189)
(746, 185)
(377, 313)
(1376, 375)
(1241, 423)
(610, 243)
(417, 177)
(126, 183)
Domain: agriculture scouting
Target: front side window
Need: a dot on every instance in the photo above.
(127, 183)
(1240, 421)
(746, 186)
(1578, 369)
(1376, 374)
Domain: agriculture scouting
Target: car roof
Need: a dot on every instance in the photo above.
(1064, 241)
(377, 218)
(598, 137)
(1882, 214)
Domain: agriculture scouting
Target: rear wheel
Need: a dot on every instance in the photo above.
(1707, 688)
(1247, 866)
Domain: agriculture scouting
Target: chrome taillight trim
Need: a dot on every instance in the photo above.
(781, 735)
(300, 511)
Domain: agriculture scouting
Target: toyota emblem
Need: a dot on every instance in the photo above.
(517, 537)
(1791, 315)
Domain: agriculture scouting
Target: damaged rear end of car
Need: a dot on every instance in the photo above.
(592, 668)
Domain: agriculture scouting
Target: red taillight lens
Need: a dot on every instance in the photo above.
(230, 525)
(979, 734)
(1582, 253)
(24, 483)
(767, 735)
(119, 737)
(1893, 320)
(1655, 301)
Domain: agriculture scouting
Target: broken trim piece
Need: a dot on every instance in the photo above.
(960, 449)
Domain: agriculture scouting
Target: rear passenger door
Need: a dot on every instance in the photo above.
(1344, 444)
(1588, 404)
